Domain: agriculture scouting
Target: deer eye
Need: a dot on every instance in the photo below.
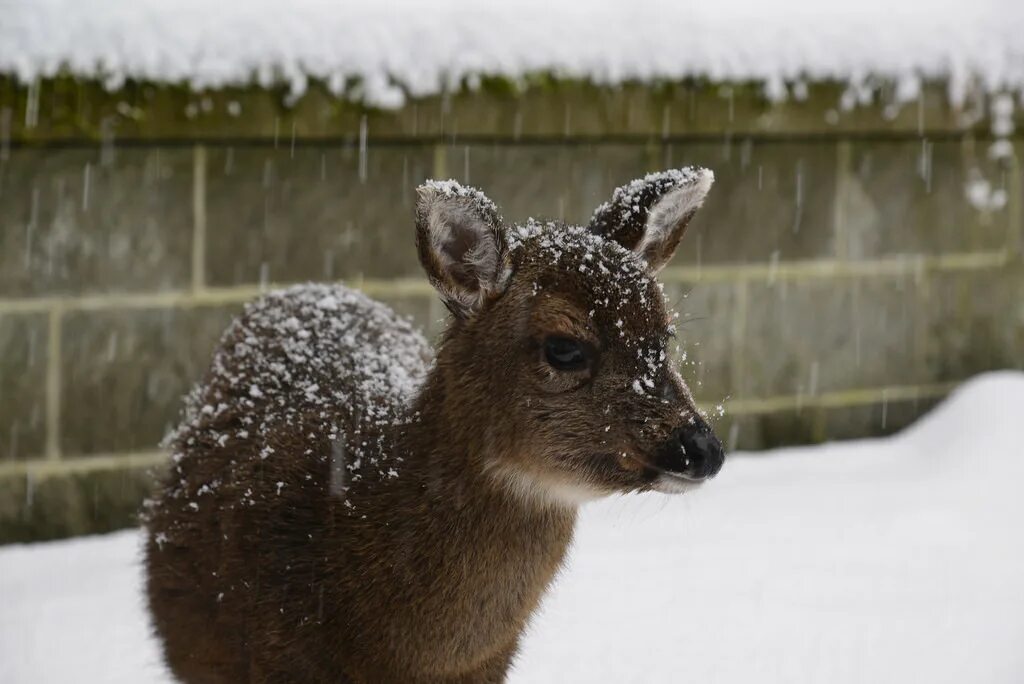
(565, 354)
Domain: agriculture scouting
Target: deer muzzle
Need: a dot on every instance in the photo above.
(692, 452)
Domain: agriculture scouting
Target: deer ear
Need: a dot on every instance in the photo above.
(461, 243)
(650, 215)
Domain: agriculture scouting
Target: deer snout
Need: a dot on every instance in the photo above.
(693, 452)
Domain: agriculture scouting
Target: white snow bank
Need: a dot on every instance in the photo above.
(877, 561)
(402, 47)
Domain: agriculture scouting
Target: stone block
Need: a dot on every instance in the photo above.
(873, 420)
(23, 359)
(903, 197)
(76, 221)
(71, 504)
(564, 182)
(814, 425)
(813, 336)
(312, 213)
(788, 428)
(737, 432)
(704, 342)
(124, 373)
(975, 323)
(771, 201)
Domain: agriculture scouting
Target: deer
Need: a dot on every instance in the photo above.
(344, 504)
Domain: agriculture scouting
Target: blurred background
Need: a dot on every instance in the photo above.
(163, 163)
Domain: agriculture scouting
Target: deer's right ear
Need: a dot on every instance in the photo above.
(461, 242)
(650, 215)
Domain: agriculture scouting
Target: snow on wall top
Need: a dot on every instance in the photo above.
(398, 48)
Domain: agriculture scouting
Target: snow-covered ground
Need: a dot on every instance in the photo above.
(400, 47)
(889, 560)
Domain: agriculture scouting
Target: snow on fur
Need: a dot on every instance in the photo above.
(617, 277)
(296, 355)
(382, 53)
(446, 208)
(647, 211)
(627, 198)
(452, 189)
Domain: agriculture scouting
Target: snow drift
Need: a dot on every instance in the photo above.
(885, 560)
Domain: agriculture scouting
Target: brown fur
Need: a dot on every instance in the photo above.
(266, 565)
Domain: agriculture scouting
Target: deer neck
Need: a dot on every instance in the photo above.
(453, 459)
(472, 555)
(450, 464)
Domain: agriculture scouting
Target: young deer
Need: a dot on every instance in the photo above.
(341, 509)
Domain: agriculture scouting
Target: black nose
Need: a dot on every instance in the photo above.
(692, 451)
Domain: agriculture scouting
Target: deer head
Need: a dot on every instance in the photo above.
(554, 374)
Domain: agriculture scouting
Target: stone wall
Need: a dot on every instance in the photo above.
(836, 285)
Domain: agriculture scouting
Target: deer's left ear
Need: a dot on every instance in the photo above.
(650, 215)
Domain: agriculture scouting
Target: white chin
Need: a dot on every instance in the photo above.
(549, 490)
(670, 484)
